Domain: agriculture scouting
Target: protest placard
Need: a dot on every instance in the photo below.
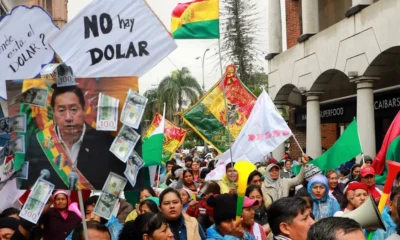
(47, 127)
(24, 43)
(113, 38)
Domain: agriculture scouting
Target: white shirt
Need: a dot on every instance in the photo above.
(74, 151)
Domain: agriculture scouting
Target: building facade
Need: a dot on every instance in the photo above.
(341, 62)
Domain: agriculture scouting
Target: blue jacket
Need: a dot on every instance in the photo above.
(213, 234)
(183, 233)
(389, 224)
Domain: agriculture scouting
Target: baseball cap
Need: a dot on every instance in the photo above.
(249, 202)
(367, 171)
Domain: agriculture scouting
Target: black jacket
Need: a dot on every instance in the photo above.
(95, 161)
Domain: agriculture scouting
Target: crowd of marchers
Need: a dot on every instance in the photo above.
(278, 204)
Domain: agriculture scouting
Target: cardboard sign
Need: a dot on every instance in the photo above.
(113, 38)
(23, 43)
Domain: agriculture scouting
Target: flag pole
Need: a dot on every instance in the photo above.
(226, 105)
(359, 139)
(294, 137)
(159, 166)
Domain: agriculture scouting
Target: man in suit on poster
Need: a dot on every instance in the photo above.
(71, 145)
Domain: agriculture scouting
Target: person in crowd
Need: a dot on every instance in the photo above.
(173, 178)
(123, 211)
(187, 182)
(335, 188)
(290, 219)
(182, 225)
(198, 208)
(149, 205)
(10, 212)
(143, 194)
(255, 178)
(248, 222)
(8, 225)
(228, 183)
(306, 196)
(188, 162)
(96, 231)
(207, 220)
(356, 194)
(168, 167)
(196, 170)
(59, 221)
(273, 187)
(287, 169)
(254, 192)
(368, 177)
(355, 173)
(113, 225)
(390, 216)
(367, 161)
(323, 204)
(335, 228)
(203, 174)
(226, 227)
(148, 226)
(186, 197)
(344, 172)
(310, 171)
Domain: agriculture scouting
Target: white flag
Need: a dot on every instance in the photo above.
(264, 131)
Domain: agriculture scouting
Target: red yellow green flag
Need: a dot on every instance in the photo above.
(198, 19)
(208, 116)
(173, 136)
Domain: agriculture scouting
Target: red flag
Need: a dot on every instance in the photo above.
(392, 133)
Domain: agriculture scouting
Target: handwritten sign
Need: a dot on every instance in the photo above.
(113, 38)
(24, 43)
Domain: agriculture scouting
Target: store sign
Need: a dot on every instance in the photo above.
(387, 103)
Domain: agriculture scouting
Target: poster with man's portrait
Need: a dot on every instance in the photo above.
(61, 135)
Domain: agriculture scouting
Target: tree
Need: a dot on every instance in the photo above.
(239, 42)
(178, 90)
(257, 81)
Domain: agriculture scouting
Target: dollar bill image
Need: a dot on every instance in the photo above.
(133, 109)
(18, 123)
(132, 171)
(33, 96)
(107, 113)
(124, 143)
(23, 172)
(36, 201)
(4, 125)
(105, 205)
(16, 145)
(65, 76)
(115, 184)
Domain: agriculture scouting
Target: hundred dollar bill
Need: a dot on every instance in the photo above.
(115, 184)
(105, 205)
(4, 125)
(33, 96)
(124, 143)
(37, 199)
(17, 145)
(133, 165)
(18, 123)
(133, 109)
(107, 113)
(23, 172)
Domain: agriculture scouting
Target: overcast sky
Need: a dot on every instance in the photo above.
(187, 51)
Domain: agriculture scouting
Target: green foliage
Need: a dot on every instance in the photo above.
(257, 82)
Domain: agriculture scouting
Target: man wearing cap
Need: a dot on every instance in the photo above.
(8, 226)
(248, 223)
(368, 177)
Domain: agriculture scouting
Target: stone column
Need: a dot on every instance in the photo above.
(274, 29)
(366, 114)
(310, 19)
(313, 131)
(279, 152)
(4, 107)
(357, 6)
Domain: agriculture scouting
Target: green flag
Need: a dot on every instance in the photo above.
(345, 148)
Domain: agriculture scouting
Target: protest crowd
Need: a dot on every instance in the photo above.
(278, 204)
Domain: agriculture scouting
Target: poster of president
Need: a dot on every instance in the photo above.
(61, 134)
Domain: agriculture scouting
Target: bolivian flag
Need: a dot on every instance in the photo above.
(173, 136)
(196, 20)
(210, 119)
(153, 144)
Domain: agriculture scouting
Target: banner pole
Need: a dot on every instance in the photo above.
(158, 176)
(294, 137)
(226, 105)
(81, 206)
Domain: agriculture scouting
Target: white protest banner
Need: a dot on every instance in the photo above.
(24, 35)
(264, 131)
(113, 38)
